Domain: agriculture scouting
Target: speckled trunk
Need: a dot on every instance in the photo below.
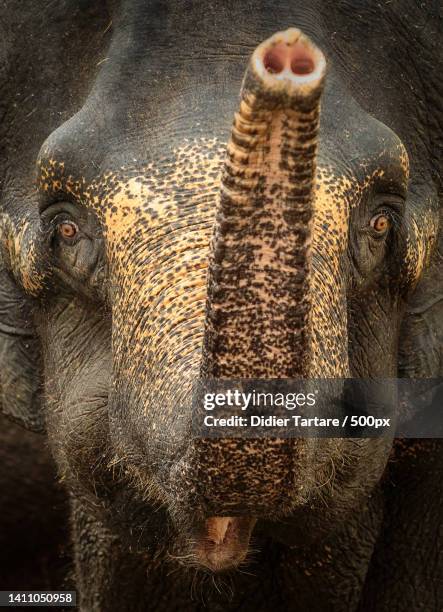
(257, 309)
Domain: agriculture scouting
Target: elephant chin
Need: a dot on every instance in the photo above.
(223, 542)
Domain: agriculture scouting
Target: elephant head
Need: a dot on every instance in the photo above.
(154, 249)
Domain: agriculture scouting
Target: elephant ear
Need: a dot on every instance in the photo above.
(20, 358)
(421, 339)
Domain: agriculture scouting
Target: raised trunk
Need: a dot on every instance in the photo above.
(257, 309)
(257, 316)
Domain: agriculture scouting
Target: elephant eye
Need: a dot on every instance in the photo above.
(380, 223)
(67, 230)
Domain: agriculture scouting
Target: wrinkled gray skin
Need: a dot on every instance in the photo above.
(116, 117)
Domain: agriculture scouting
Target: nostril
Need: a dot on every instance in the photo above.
(301, 60)
(272, 62)
(302, 65)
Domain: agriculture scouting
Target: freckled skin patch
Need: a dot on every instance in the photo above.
(20, 245)
(162, 280)
(420, 245)
(328, 318)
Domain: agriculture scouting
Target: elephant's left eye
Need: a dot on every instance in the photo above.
(67, 230)
(380, 223)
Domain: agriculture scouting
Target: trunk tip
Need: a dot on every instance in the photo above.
(289, 60)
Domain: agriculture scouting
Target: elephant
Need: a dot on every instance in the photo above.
(224, 190)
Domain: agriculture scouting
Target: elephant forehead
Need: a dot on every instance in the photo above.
(120, 189)
(167, 205)
(167, 196)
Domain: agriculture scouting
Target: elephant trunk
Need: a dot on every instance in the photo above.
(257, 308)
(257, 311)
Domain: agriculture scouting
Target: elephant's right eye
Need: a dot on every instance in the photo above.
(380, 223)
